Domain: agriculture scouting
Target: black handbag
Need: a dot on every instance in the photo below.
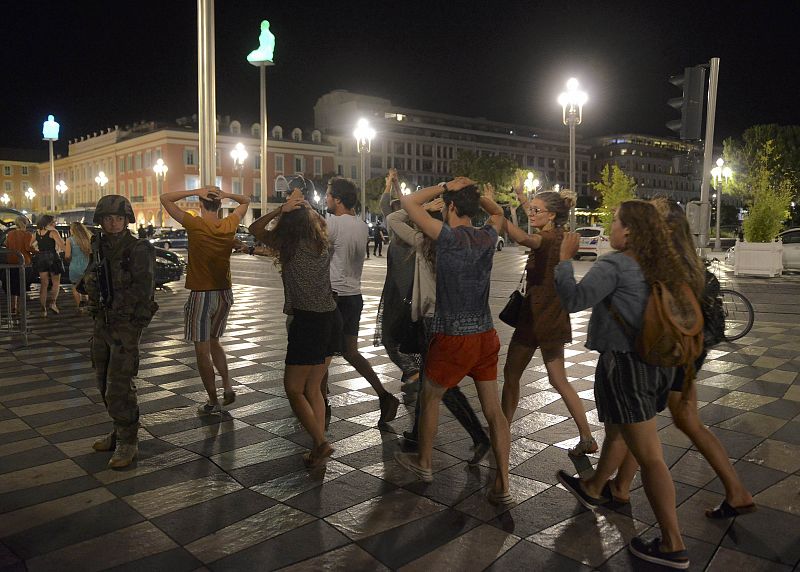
(510, 314)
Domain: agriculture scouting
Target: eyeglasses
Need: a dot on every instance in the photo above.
(536, 210)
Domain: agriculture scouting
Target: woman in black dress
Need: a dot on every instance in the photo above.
(48, 263)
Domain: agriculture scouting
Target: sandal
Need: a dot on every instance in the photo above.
(498, 499)
(725, 510)
(318, 456)
(583, 447)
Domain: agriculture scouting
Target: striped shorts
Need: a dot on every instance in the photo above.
(627, 390)
(205, 314)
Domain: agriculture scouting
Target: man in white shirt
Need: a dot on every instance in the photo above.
(348, 237)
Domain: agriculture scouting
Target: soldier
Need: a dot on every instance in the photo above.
(120, 282)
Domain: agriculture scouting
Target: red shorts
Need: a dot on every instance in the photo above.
(452, 358)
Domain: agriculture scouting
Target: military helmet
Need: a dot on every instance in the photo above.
(113, 205)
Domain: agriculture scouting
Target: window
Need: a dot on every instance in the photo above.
(24, 170)
(148, 159)
(188, 157)
(353, 172)
(24, 186)
(7, 186)
(149, 188)
(279, 164)
(299, 164)
(317, 166)
(139, 188)
(129, 163)
(256, 190)
(130, 188)
(138, 162)
(277, 132)
(339, 170)
(257, 161)
(237, 187)
(236, 128)
(297, 134)
(192, 182)
(121, 165)
(7, 170)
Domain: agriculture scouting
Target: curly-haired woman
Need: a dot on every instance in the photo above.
(628, 392)
(543, 322)
(299, 244)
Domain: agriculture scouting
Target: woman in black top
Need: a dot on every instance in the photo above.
(48, 262)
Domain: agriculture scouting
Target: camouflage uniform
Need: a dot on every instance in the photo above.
(121, 303)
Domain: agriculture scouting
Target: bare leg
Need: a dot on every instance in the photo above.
(429, 420)
(686, 418)
(55, 289)
(360, 363)
(642, 439)
(621, 484)
(499, 431)
(554, 362)
(517, 359)
(205, 366)
(611, 456)
(301, 383)
(220, 363)
(44, 281)
(76, 297)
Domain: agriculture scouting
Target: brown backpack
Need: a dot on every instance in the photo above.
(672, 329)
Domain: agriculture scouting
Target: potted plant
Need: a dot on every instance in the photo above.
(770, 196)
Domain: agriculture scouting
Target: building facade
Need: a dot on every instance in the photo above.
(422, 145)
(127, 156)
(19, 171)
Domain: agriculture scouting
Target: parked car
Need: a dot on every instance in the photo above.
(243, 235)
(593, 240)
(171, 239)
(791, 250)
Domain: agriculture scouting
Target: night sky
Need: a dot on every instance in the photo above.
(95, 63)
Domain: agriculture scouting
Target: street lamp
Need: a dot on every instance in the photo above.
(530, 185)
(62, 187)
(572, 102)
(721, 175)
(404, 190)
(5, 199)
(30, 195)
(364, 135)
(239, 155)
(160, 169)
(50, 133)
(101, 181)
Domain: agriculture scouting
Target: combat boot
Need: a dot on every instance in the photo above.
(123, 455)
(107, 443)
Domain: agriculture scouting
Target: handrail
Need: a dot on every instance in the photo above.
(23, 298)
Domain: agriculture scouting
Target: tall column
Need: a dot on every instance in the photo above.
(572, 120)
(264, 137)
(206, 92)
(708, 145)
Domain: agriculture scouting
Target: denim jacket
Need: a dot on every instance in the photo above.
(617, 277)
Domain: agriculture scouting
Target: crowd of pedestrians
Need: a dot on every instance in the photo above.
(433, 319)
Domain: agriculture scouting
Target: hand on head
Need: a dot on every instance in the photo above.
(293, 203)
(209, 193)
(459, 183)
(435, 205)
(488, 191)
(569, 245)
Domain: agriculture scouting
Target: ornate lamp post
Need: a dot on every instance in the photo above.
(239, 155)
(30, 195)
(530, 185)
(364, 135)
(5, 199)
(721, 175)
(101, 181)
(160, 169)
(572, 102)
(50, 133)
(62, 188)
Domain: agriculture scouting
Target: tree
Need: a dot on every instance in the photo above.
(744, 156)
(770, 194)
(374, 190)
(615, 187)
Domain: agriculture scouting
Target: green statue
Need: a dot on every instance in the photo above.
(266, 45)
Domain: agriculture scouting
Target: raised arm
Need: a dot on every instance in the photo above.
(243, 200)
(169, 199)
(412, 204)
(496, 217)
(258, 227)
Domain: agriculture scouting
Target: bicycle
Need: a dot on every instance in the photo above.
(738, 311)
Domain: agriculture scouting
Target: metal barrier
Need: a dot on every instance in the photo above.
(21, 323)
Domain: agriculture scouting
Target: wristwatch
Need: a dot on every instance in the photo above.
(251, 250)
(443, 184)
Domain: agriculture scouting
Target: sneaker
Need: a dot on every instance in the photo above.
(409, 461)
(651, 552)
(107, 443)
(389, 404)
(208, 409)
(481, 450)
(228, 397)
(573, 485)
(124, 455)
(583, 447)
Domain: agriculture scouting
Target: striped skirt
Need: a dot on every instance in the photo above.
(627, 390)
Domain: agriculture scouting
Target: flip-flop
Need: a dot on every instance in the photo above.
(725, 510)
(499, 499)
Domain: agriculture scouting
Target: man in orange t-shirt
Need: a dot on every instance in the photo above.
(209, 280)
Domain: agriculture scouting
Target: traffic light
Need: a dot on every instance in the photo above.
(693, 82)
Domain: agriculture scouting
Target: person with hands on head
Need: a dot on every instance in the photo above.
(628, 392)
(208, 278)
(543, 322)
(464, 342)
(299, 243)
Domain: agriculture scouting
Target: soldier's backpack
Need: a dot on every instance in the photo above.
(672, 329)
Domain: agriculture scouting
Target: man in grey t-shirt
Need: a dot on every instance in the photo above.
(348, 236)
